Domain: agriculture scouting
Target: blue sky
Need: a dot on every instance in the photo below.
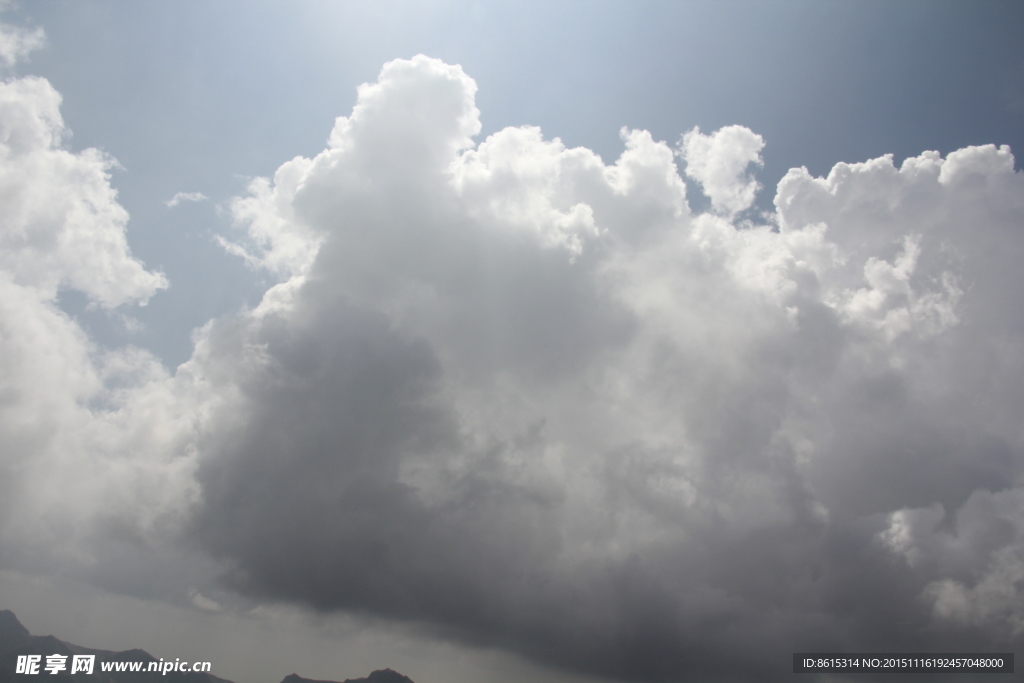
(562, 341)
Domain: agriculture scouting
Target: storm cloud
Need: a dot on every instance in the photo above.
(526, 398)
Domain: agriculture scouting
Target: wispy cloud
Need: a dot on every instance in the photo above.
(185, 197)
(17, 42)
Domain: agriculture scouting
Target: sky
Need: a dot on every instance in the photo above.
(563, 341)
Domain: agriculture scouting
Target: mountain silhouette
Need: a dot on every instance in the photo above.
(380, 676)
(15, 640)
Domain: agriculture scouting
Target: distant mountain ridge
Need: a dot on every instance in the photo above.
(16, 640)
(379, 676)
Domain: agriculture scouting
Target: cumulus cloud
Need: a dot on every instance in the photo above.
(532, 400)
(274, 240)
(719, 162)
(61, 224)
(180, 197)
(535, 400)
(78, 448)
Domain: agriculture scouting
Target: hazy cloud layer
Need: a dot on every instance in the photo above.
(533, 400)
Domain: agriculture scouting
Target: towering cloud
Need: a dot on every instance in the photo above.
(510, 392)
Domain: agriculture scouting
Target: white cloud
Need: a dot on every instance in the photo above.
(719, 163)
(533, 399)
(61, 224)
(276, 240)
(17, 42)
(82, 452)
(185, 197)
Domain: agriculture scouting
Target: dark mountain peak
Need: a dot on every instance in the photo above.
(51, 644)
(386, 676)
(295, 678)
(10, 627)
(379, 676)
